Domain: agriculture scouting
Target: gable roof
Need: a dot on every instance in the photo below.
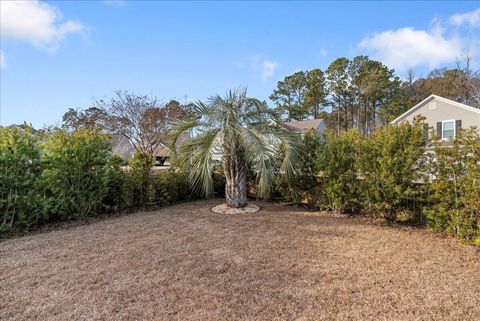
(303, 125)
(429, 98)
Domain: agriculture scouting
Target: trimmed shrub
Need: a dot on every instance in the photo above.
(389, 160)
(76, 173)
(389, 174)
(21, 200)
(352, 173)
(454, 191)
(171, 186)
(119, 186)
(142, 180)
(337, 163)
(306, 188)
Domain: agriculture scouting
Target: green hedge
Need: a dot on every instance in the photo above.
(20, 179)
(305, 186)
(71, 175)
(389, 161)
(75, 173)
(454, 194)
(389, 175)
(338, 168)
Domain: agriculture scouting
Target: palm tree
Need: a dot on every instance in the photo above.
(246, 134)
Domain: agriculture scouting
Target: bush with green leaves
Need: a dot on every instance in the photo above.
(146, 188)
(377, 173)
(337, 163)
(454, 187)
(171, 186)
(119, 186)
(389, 174)
(20, 168)
(306, 187)
(389, 160)
(142, 180)
(72, 175)
(76, 172)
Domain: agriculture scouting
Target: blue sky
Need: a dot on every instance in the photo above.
(56, 55)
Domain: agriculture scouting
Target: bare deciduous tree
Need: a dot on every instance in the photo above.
(142, 120)
(468, 81)
(89, 118)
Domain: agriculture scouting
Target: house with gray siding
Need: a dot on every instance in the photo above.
(443, 115)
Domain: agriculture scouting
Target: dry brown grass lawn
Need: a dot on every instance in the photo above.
(187, 263)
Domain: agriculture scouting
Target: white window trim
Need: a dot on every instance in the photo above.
(454, 128)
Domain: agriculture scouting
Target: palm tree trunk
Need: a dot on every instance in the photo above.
(236, 190)
(235, 171)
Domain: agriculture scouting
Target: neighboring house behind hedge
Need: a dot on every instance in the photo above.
(445, 116)
(303, 126)
(123, 148)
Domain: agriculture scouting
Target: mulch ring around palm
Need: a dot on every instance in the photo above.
(225, 209)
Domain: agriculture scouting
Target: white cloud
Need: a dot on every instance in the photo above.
(407, 47)
(3, 63)
(323, 52)
(37, 23)
(265, 67)
(268, 69)
(119, 3)
(471, 19)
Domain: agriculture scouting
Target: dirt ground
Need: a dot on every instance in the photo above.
(282, 263)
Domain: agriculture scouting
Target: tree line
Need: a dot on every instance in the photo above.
(362, 93)
(358, 93)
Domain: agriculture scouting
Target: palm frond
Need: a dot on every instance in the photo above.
(260, 154)
(292, 145)
(290, 142)
(178, 130)
(197, 157)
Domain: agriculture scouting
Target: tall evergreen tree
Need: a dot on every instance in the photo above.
(317, 91)
(289, 96)
(338, 84)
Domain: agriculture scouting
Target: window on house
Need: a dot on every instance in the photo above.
(448, 129)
